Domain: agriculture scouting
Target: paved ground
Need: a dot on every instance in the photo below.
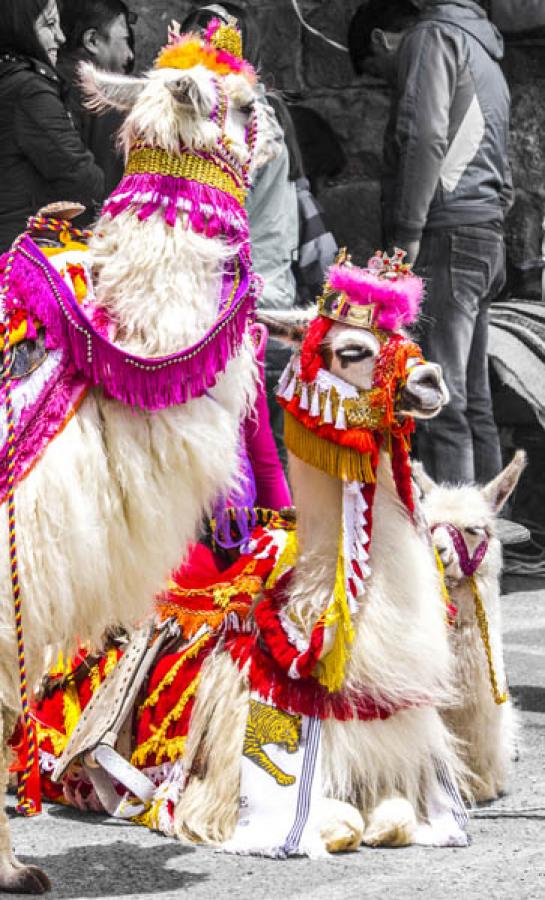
(89, 857)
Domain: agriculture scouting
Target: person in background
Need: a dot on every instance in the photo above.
(446, 187)
(42, 156)
(99, 32)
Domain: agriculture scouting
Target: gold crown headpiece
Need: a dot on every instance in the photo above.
(386, 293)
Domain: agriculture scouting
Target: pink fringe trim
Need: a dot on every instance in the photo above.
(210, 211)
(151, 384)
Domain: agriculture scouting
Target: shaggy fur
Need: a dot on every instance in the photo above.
(400, 655)
(120, 493)
(487, 731)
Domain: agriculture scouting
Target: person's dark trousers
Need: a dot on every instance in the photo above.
(277, 357)
(463, 269)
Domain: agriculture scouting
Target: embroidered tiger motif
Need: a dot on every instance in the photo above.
(267, 725)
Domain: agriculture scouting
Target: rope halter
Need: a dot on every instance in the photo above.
(468, 563)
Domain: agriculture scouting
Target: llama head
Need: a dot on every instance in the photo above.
(360, 311)
(467, 512)
(170, 108)
(351, 353)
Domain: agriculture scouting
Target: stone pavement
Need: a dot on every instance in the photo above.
(87, 856)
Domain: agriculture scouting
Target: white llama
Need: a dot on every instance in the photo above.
(391, 770)
(462, 521)
(111, 505)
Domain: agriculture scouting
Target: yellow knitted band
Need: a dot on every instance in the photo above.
(153, 161)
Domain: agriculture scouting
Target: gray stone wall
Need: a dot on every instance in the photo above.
(356, 107)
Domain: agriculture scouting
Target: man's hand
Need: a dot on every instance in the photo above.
(412, 249)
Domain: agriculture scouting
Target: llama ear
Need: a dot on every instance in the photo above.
(498, 491)
(287, 325)
(421, 478)
(239, 90)
(187, 92)
(106, 90)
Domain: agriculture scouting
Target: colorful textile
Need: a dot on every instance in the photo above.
(210, 605)
(280, 785)
(46, 388)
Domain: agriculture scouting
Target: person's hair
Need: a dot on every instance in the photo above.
(198, 19)
(287, 125)
(18, 28)
(389, 15)
(78, 16)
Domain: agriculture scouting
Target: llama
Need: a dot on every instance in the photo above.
(148, 437)
(388, 765)
(461, 519)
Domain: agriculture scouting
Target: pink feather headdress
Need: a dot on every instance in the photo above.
(386, 294)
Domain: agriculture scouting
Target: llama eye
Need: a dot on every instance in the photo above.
(474, 531)
(353, 354)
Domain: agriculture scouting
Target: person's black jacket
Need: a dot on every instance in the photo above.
(42, 157)
(98, 131)
(446, 159)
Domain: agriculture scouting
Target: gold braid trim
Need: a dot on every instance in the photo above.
(111, 662)
(154, 161)
(223, 592)
(337, 461)
(166, 682)
(485, 636)
(158, 744)
(94, 678)
(58, 740)
(71, 708)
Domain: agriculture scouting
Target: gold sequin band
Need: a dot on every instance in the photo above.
(153, 161)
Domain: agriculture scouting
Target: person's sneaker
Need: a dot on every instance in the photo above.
(511, 532)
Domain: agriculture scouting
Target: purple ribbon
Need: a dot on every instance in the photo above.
(468, 564)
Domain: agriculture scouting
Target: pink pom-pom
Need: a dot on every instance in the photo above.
(397, 298)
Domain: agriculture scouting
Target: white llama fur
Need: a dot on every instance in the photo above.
(113, 504)
(487, 731)
(400, 655)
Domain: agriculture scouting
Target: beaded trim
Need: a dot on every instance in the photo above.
(153, 161)
(151, 383)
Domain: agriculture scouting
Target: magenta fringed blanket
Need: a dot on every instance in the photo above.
(209, 211)
(151, 384)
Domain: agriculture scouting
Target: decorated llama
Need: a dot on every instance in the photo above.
(350, 635)
(116, 441)
(461, 519)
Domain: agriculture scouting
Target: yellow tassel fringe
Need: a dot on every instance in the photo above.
(167, 681)
(339, 462)
(333, 665)
(286, 560)
(158, 744)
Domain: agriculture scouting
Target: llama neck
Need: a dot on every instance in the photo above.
(318, 500)
(160, 285)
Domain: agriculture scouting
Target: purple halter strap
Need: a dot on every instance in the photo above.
(468, 564)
